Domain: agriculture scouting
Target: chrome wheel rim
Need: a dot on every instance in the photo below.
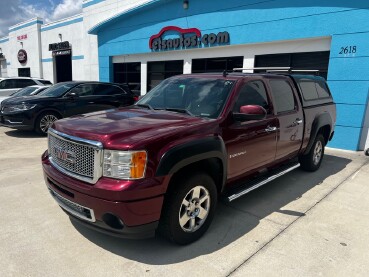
(318, 152)
(46, 122)
(194, 209)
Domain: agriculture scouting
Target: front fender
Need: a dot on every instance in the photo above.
(188, 153)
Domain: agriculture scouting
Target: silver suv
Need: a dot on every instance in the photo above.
(11, 85)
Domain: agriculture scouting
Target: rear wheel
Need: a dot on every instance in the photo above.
(189, 209)
(312, 160)
(44, 122)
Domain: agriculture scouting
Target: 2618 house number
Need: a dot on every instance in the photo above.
(348, 50)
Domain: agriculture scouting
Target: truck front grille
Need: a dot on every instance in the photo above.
(74, 156)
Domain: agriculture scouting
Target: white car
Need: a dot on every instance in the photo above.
(11, 85)
(27, 91)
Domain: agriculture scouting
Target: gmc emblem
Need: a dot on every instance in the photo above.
(65, 155)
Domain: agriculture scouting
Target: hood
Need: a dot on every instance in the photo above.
(30, 99)
(2, 98)
(126, 128)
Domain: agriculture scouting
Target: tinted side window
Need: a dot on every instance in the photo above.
(308, 90)
(8, 84)
(322, 89)
(4, 84)
(253, 93)
(22, 83)
(83, 90)
(283, 96)
(108, 90)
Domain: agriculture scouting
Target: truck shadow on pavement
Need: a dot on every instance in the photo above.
(22, 134)
(234, 222)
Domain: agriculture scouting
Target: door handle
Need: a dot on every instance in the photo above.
(270, 129)
(298, 121)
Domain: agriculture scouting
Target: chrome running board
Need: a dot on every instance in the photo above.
(264, 181)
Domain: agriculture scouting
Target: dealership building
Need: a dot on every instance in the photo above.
(142, 42)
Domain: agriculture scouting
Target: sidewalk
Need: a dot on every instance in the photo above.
(331, 240)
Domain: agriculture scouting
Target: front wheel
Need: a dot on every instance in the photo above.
(44, 122)
(189, 209)
(312, 160)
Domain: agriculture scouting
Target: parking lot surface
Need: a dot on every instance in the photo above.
(301, 224)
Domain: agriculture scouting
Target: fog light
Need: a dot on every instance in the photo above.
(113, 221)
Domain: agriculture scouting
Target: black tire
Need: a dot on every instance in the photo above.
(312, 160)
(44, 121)
(367, 152)
(175, 212)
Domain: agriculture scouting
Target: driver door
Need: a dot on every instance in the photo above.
(82, 102)
(251, 145)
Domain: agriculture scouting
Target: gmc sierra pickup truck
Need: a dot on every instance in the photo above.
(163, 163)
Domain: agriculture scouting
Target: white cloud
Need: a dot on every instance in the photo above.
(67, 8)
(16, 11)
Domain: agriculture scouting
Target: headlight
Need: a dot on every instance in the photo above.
(124, 164)
(21, 107)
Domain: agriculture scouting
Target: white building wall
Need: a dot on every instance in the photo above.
(71, 29)
(84, 46)
(31, 45)
(94, 15)
(4, 46)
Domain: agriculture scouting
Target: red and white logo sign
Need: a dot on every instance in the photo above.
(22, 37)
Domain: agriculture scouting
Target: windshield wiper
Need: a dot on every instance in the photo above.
(179, 110)
(145, 106)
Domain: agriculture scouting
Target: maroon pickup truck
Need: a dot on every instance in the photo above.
(163, 163)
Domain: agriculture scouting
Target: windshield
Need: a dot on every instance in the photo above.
(24, 92)
(194, 96)
(57, 90)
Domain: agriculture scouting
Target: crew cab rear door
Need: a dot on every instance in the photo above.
(290, 116)
(251, 145)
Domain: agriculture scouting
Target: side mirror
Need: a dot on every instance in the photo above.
(72, 95)
(250, 112)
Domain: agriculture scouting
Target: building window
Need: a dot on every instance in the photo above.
(216, 64)
(128, 73)
(159, 71)
(308, 60)
(24, 72)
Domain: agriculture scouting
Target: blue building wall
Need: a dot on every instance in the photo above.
(252, 21)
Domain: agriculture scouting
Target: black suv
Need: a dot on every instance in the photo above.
(62, 100)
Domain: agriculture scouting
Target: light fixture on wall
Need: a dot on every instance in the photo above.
(21, 43)
(60, 37)
(186, 4)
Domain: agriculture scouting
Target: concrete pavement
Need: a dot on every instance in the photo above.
(301, 224)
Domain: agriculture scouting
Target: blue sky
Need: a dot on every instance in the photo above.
(16, 11)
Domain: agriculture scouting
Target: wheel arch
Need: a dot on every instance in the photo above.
(44, 111)
(321, 124)
(205, 155)
(60, 115)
